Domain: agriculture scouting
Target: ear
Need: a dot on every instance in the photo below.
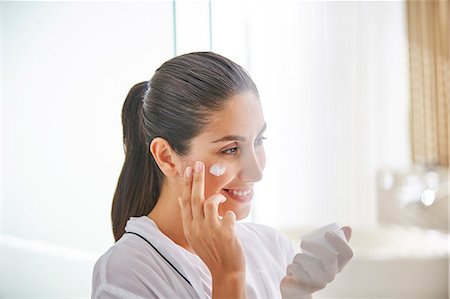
(164, 156)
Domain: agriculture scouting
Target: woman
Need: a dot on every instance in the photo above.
(193, 140)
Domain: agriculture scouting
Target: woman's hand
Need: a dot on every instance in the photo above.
(213, 239)
(308, 274)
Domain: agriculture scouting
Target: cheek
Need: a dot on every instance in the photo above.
(213, 184)
(261, 156)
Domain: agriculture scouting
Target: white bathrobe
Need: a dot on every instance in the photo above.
(131, 268)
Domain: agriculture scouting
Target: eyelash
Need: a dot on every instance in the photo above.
(233, 151)
(260, 140)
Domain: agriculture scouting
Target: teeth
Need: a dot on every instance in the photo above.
(241, 193)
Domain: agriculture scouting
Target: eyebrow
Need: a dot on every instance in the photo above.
(237, 137)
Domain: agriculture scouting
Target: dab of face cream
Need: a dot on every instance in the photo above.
(217, 169)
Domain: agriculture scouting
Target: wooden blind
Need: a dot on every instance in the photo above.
(428, 26)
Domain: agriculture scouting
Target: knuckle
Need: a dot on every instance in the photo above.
(197, 177)
(297, 258)
(184, 201)
(187, 232)
(290, 269)
(196, 235)
(329, 277)
(196, 182)
(198, 228)
(200, 200)
(193, 234)
(209, 204)
(216, 236)
(210, 208)
(350, 253)
(319, 283)
(331, 259)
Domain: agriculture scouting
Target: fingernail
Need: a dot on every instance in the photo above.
(198, 166)
(188, 172)
(218, 198)
(303, 243)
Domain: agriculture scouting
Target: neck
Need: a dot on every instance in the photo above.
(167, 216)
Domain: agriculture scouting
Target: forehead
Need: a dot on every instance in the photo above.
(241, 115)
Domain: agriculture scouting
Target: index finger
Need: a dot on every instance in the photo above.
(185, 199)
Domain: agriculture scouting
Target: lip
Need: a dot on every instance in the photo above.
(238, 198)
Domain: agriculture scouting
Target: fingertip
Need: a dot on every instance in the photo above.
(218, 198)
(199, 166)
(229, 216)
(304, 243)
(347, 232)
(188, 172)
(289, 272)
(230, 213)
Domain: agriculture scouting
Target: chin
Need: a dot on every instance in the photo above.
(240, 212)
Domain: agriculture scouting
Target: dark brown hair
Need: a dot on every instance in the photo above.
(176, 105)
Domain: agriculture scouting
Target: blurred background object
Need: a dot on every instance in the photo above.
(418, 197)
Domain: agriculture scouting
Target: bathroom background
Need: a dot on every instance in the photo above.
(355, 95)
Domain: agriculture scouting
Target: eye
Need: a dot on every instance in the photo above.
(231, 151)
(259, 141)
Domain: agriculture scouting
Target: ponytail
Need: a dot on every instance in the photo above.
(139, 184)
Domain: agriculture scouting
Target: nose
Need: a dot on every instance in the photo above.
(252, 167)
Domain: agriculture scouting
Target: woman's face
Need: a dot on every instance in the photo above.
(232, 141)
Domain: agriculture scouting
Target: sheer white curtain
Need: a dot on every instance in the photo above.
(333, 78)
(66, 69)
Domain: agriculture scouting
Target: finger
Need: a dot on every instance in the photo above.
(300, 274)
(319, 274)
(185, 199)
(345, 252)
(229, 218)
(347, 232)
(186, 216)
(211, 207)
(310, 278)
(291, 288)
(198, 190)
(305, 258)
(341, 246)
(326, 255)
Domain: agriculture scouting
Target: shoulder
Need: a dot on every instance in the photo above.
(124, 270)
(117, 260)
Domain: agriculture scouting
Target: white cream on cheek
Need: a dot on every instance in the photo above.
(217, 169)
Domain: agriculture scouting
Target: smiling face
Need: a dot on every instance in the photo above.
(232, 141)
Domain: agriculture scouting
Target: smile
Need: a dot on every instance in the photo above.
(240, 195)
